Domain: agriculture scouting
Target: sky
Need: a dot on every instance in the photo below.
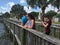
(6, 5)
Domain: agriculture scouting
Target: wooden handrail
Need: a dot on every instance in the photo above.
(55, 30)
(38, 34)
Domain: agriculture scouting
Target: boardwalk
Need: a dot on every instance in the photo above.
(26, 36)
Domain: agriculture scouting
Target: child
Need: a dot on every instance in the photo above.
(47, 25)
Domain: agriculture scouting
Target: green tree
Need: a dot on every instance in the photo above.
(56, 3)
(57, 15)
(6, 15)
(51, 13)
(16, 10)
(35, 14)
(40, 3)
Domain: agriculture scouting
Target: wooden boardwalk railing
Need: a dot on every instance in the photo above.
(55, 30)
(25, 36)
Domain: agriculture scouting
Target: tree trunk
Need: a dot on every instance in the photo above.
(43, 13)
(39, 16)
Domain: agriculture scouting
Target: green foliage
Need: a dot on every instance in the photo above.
(35, 14)
(51, 13)
(56, 3)
(41, 4)
(17, 10)
(58, 15)
(6, 15)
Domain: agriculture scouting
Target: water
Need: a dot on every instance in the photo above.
(1, 29)
(4, 39)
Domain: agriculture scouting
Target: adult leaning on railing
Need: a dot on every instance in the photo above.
(38, 38)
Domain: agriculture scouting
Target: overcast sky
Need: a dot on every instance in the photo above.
(5, 6)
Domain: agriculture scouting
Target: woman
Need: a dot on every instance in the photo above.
(31, 25)
(47, 25)
(31, 22)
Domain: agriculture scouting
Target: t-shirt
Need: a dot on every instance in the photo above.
(24, 20)
(47, 29)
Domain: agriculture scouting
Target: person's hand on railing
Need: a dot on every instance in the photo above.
(26, 26)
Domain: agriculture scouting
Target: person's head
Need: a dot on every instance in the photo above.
(24, 13)
(30, 16)
(47, 18)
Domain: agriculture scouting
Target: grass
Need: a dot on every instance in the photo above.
(56, 22)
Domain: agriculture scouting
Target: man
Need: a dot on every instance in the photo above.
(24, 19)
(23, 22)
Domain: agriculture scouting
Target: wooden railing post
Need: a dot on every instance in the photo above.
(14, 34)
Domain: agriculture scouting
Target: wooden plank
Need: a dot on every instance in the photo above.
(18, 40)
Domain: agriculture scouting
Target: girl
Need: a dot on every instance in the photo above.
(31, 25)
(31, 22)
(47, 25)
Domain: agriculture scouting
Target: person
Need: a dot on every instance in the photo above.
(24, 19)
(47, 24)
(31, 25)
(23, 22)
(31, 22)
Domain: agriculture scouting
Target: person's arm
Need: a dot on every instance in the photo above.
(21, 24)
(32, 24)
(45, 25)
(21, 20)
